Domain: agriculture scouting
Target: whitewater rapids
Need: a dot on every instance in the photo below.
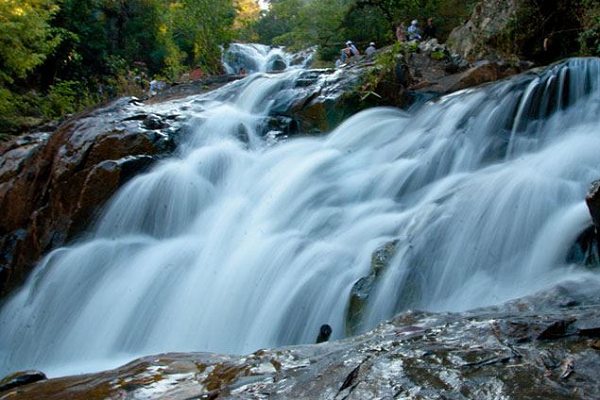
(233, 245)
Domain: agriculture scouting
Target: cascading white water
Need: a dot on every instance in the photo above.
(234, 245)
(257, 58)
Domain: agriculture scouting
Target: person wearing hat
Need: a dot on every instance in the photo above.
(353, 48)
(414, 33)
(371, 49)
(346, 52)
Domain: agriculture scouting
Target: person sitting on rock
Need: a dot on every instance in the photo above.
(430, 31)
(353, 48)
(346, 53)
(414, 33)
(349, 51)
(401, 33)
(371, 49)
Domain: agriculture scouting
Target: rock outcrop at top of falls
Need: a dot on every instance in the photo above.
(506, 352)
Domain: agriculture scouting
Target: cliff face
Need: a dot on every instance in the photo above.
(541, 32)
(478, 38)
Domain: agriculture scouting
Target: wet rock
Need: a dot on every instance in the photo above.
(481, 72)
(304, 57)
(416, 355)
(519, 331)
(585, 251)
(588, 326)
(364, 287)
(327, 97)
(20, 379)
(242, 133)
(52, 185)
(154, 121)
(557, 329)
(593, 202)
(195, 87)
(278, 64)
(456, 64)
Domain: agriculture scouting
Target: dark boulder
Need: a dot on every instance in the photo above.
(278, 64)
(20, 379)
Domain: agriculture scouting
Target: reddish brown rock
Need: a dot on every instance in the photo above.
(437, 80)
(51, 185)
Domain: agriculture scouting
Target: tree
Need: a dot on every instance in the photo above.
(200, 27)
(26, 37)
(248, 13)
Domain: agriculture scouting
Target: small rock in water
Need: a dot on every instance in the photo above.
(324, 333)
(20, 379)
(154, 122)
(566, 368)
(278, 65)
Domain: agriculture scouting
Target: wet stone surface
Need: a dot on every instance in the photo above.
(548, 352)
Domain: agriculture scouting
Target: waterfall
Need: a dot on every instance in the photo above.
(261, 58)
(234, 245)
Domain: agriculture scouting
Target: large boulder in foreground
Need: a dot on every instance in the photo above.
(513, 352)
(52, 185)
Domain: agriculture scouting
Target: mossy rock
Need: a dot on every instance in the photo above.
(438, 55)
(364, 287)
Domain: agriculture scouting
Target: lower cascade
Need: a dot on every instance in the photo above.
(237, 244)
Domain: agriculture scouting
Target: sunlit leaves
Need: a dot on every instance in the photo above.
(26, 37)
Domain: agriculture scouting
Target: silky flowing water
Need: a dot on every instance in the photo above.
(234, 245)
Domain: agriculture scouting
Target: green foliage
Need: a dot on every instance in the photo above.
(8, 109)
(63, 98)
(551, 30)
(26, 37)
(589, 38)
(300, 23)
(57, 56)
(329, 23)
(438, 55)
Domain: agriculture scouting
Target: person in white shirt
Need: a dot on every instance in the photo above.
(371, 49)
(414, 33)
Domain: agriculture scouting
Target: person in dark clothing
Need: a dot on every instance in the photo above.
(430, 31)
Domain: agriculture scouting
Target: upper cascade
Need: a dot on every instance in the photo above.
(234, 244)
(241, 58)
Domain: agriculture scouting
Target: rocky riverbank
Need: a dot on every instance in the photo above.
(544, 346)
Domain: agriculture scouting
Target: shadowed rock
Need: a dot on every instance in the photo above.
(21, 379)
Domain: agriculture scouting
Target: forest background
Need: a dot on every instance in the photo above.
(58, 57)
